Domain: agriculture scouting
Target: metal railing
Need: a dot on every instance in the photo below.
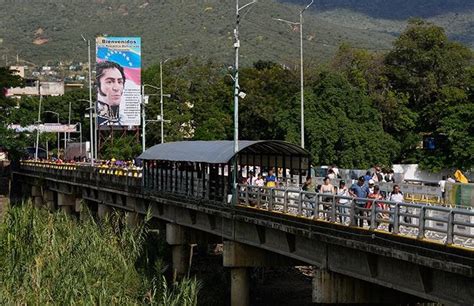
(451, 226)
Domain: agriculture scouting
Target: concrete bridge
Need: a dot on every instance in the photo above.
(279, 226)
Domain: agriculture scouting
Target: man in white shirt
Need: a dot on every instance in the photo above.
(442, 186)
(451, 180)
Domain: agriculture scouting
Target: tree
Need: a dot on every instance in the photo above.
(343, 127)
(199, 106)
(9, 140)
(270, 90)
(435, 75)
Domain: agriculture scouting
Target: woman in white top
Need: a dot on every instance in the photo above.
(343, 192)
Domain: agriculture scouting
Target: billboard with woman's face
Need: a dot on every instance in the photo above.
(118, 81)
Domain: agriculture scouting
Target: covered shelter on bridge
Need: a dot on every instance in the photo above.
(203, 169)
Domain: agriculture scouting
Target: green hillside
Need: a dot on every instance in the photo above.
(47, 30)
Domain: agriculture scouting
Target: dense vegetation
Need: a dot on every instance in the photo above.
(50, 31)
(362, 108)
(54, 259)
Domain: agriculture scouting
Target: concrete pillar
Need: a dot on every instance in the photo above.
(103, 211)
(239, 257)
(38, 202)
(331, 287)
(133, 219)
(180, 257)
(78, 205)
(37, 196)
(66, 202)
(48, 196)
(36, 191)
(67, 209)
(177, 237)
(239, 287)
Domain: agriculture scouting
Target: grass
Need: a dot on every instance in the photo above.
(54, 259)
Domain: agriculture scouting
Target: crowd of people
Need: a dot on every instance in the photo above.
(364, 192)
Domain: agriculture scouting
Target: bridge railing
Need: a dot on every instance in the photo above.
(111, 177)
(443, 224)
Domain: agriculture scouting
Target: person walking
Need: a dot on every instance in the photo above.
(442, 186)
(327, 188)
(395, 196)
(308, 186)
(359, 191)
(374, 195)
(342, 191)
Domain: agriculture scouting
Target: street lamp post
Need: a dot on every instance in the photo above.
(69, 122)
(80, 137)
(91, 128)
(57, 114)
(301, 66)
(39, 120)
(236, 93)
(161, 99)
(93, 132)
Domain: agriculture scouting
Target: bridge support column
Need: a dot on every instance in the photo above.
(66, 203)
(103, 211)
(331, 287)
(133, 218)
(176, 236)
(49, 199)
(78, 205)
(37, 196)
(239, 257)
(239, 287)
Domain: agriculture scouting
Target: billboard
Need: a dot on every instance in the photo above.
(118, 81)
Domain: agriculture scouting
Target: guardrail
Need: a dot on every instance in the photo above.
(99, 168)
(451, 226)
(112, 177)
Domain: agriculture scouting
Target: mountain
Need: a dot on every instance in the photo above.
(44, 31)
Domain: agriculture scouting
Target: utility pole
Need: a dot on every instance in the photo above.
(300, 24)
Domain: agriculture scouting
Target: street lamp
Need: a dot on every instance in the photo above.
(57, 114)
(301, 65)
(160, 118)
(93, 132)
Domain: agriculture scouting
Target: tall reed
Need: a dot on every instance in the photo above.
(54, 259)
